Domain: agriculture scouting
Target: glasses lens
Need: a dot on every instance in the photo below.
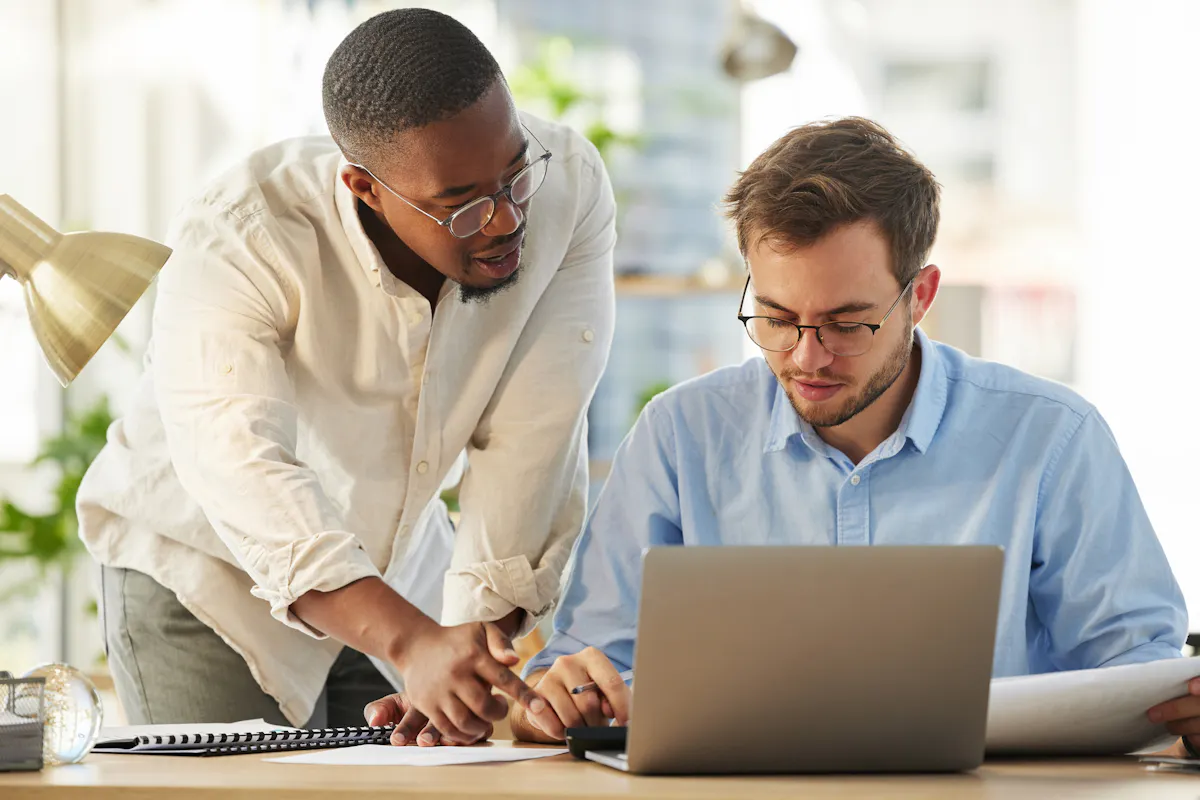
(846, 338)
(470, 219)
(529, 180)
(772, 334)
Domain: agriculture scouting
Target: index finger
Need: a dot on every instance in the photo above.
(507, 682)
(407, 729)
(612, 686)
(1179, 708)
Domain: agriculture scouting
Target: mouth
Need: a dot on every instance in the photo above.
(503, 262)
(815, 391)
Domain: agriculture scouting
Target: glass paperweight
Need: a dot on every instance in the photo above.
(74, 713)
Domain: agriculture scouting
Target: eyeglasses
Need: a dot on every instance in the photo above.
(839, 338)
(475, 215)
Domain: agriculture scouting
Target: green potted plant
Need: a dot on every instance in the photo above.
(51, 540)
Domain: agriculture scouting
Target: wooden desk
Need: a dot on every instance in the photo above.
(250, 778)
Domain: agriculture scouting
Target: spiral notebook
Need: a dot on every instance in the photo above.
(228, 740)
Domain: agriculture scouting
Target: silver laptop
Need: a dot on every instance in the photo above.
(812, 659)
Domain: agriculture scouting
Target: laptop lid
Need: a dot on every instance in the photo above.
(814, 659)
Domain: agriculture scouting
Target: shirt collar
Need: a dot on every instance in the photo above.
(919, 423)
(785, 422)
(924, 414)
(347, 206)
(364, 249)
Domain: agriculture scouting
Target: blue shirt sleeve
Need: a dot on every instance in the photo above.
(1100, 581)
(637, 508)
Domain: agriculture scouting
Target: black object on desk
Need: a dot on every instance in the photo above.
(609, 738)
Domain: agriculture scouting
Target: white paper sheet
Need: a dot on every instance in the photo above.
(382, 755)
(1085, 712)
(246, 726)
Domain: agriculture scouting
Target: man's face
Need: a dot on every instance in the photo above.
(845, 276)
(442, 167)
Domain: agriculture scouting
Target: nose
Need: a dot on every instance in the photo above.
(505, 219)
(810, 355)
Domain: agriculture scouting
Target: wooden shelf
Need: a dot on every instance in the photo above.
(674, 286)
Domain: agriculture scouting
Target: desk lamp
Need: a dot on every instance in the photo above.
(77, 286)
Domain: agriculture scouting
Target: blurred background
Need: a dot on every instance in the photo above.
(1060, 130)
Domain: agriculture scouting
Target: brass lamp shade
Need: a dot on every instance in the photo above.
(77, 286)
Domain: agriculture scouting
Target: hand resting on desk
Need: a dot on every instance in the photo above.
(412, 727)
(1182, 717)
(472, 675)
(611, 700)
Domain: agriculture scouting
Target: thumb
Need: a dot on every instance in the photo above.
(386, 711)
(500, 646)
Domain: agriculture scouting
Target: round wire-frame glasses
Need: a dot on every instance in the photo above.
(475, 215)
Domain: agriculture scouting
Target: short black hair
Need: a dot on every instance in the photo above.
(400, 70)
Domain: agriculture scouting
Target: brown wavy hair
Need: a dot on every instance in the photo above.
(820, 176)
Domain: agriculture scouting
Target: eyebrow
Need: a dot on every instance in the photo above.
(455, 191)
(846, 308)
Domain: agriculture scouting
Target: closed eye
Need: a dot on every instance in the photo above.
(845, 327)
(506, 182)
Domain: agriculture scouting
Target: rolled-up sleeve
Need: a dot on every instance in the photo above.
(1100, 581)
(221, 322)
(524, 494)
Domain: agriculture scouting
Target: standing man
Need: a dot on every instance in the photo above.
(340, 321)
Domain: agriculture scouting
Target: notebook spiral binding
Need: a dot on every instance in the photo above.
(266, 741)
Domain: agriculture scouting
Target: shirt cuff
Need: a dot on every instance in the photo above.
(490, 590)
(325, 562)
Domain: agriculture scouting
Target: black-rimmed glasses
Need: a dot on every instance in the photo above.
(839, 338)
(475, 215)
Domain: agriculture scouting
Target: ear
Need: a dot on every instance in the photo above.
(925, 289)
(363, 186)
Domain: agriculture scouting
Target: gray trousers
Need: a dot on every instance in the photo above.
(169, 667)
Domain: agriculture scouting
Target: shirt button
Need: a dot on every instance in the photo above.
(854, 479)
(588, 335)
(423, 467)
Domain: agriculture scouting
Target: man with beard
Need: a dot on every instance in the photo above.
(857, 429)
(341, 320)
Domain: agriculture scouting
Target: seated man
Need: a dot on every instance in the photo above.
(857, 429)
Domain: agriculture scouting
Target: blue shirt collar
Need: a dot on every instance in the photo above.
(918, 425)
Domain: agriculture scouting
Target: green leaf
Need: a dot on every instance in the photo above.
(51, 539)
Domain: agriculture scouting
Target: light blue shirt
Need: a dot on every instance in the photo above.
(985, 454)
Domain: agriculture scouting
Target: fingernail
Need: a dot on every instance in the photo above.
(1194, 687)
(427, 738)
(538, 705)
(510, 653)
(400, 739)
(1155, 716)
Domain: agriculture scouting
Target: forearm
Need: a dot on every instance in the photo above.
(368, 615)
(511, 622)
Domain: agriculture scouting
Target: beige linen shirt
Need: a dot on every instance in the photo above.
(301, 409)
